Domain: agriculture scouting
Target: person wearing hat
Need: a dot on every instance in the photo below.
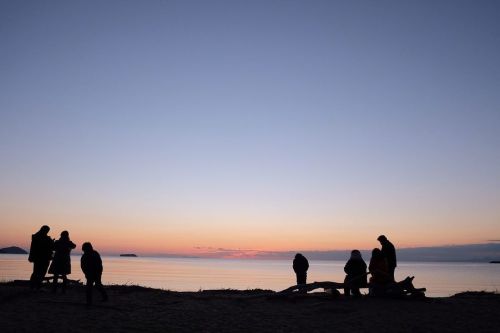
(389, 253)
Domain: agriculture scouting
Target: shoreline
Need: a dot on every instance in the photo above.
(134, 309)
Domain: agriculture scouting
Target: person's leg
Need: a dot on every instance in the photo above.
(347, 290)
(301, 279)
(100, 287)
(44, 266)
(39, 271)
(64, 283)
(88, 290)
(54, 283)
(356, 292)
(33, 278)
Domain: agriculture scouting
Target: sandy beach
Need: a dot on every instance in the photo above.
(138, 309)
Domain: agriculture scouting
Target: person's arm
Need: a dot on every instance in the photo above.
(84, 264)
(99, 262)
(346, 267)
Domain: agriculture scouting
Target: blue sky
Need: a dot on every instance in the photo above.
(382, 116)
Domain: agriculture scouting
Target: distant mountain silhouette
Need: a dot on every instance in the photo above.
(13, 250)
(460, 253)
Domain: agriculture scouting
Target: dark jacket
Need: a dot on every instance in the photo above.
(61, 264)
(356, 272)
(91, 264)
(300, 264)
(379, 270)
(41, 247)
(389, 253)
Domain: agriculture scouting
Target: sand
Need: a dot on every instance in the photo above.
(138, 309)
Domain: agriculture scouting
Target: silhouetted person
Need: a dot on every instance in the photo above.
(40, 255)
(91, 264)
(380, 273)
(355, 269)
(300, 267)
(389, 253)
(61, 264)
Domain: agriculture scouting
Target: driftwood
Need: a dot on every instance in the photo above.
(404, 287)
(401, 288)
(311, 286)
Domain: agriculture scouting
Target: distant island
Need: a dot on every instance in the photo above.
(495, 262)
(128, 255)
(13, 250)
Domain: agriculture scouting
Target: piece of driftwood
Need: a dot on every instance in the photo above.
(404, 287)
(311, 286)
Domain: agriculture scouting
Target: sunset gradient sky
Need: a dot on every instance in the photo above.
(190, 126)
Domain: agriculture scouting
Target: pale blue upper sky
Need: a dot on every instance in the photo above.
(257, 108)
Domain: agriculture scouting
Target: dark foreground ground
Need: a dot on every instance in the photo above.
(137, 309)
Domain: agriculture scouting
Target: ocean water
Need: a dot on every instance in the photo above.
(192, 274)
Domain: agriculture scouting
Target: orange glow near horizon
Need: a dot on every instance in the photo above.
(150, 230)
(224, 238)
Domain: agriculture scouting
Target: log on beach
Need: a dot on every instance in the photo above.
(312, 286)
(401, 288)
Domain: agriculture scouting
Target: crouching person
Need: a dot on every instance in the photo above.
(355, 269)
(91, 264)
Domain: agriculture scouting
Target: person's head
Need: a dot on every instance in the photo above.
(382, 239)
(87, 247)
(355, 254)
(376, 253)
(298, 255)
(65, 235)
(45, 229)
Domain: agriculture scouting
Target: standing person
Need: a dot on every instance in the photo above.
(40, 255)
(61, 264)
(355, 269)
(91, 264)
(389, 253)
(300, 267)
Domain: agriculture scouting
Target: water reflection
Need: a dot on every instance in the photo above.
(191, 274)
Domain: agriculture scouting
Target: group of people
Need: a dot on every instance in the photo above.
(382, 265)
(54, 256)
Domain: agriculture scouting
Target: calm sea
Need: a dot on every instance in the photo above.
(192, 274)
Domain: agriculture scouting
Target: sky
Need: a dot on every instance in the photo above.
(198, 126)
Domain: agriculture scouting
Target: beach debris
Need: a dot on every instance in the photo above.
(395, 289)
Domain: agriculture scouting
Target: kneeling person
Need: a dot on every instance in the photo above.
(91, 264)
